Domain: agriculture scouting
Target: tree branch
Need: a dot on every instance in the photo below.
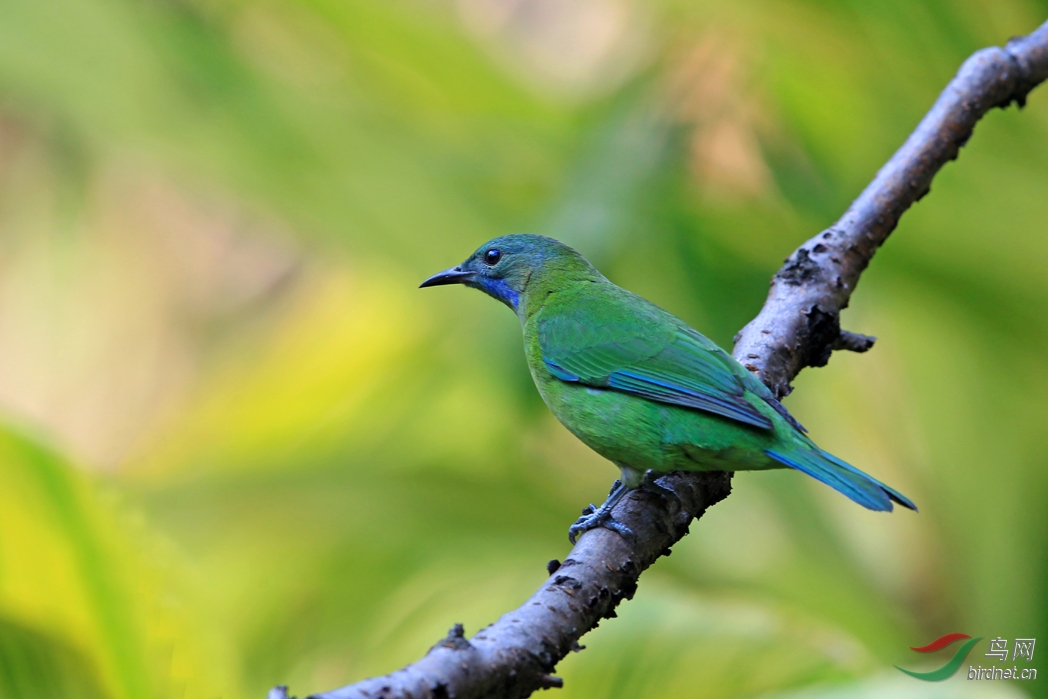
(798, 326)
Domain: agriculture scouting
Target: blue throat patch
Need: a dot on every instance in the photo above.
(499, 289)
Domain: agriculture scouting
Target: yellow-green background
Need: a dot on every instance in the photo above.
(239, 447)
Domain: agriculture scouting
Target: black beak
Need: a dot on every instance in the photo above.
(455, 275)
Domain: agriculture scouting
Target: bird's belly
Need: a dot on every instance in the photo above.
(619, 427)
(644, 434)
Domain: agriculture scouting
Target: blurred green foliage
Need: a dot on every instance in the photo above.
(240, 449)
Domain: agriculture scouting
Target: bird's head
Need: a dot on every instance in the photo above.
(507, 267)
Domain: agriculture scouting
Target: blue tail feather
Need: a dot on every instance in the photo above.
(842, 477)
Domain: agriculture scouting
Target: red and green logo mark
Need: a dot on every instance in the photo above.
(955, 662)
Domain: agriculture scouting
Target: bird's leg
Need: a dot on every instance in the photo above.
(593, 517)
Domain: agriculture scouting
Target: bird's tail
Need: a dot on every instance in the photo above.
(841, 476)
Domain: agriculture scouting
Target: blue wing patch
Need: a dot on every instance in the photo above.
(662, 391)
(559, 372)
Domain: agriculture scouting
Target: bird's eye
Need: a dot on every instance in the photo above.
(493, 256)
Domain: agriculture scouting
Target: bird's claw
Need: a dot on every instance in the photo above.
(596, 518)
(621, 529)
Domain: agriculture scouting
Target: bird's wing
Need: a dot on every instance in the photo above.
(629, 345)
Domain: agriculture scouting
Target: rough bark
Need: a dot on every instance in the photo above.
(798, 326)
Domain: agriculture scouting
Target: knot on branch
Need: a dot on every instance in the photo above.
(550, 682)
(1029, 54)
(825, 336)
(799, 268)
(824, 328)
(853, 342)
(455, 640)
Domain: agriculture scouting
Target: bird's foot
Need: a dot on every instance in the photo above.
(593, 518)
(596, 520)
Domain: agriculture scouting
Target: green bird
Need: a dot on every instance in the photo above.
(637, 384)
